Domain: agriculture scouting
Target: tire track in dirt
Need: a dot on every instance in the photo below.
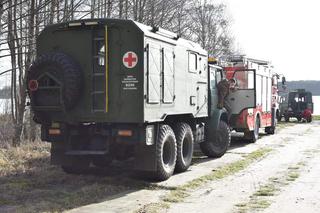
(223, 195)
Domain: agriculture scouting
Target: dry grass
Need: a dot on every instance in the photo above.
(180, 193)
(154, 208)
(282, 124)
(6, 130)
(28, 183)
(27, 157)
(316, 117)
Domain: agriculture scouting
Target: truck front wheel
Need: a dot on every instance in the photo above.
(184, 146)
(286, 118)
(217, 145)
(166, 153)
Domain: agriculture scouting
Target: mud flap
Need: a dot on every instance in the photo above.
(145, 158)
(57, 153)
(145, 155)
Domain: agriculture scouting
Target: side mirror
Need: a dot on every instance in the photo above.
(283, 80)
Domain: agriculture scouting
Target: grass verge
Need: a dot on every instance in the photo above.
(316, 117)
(180, 193)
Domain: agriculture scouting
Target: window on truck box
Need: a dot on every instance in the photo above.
(99, 82)
(101, 54)
(192, 62)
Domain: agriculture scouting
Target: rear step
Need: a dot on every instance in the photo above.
(85, 152)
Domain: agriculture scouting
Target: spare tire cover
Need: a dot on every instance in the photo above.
(61, 67)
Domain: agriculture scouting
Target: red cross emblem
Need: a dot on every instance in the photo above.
(130, 59)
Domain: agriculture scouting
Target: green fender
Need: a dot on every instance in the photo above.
(213, 122)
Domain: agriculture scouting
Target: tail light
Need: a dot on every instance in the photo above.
(33, 85)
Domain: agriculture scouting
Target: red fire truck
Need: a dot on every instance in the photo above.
(256, 84)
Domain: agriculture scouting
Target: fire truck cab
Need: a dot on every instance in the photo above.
(256, 88)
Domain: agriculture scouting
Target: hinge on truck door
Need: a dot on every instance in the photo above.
(146, 48)
(192, 100)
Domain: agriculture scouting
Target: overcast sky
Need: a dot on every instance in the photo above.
(285, 32)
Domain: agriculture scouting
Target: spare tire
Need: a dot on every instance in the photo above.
(58, 71)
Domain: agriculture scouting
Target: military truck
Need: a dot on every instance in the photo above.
(106, 89)
(297, 104)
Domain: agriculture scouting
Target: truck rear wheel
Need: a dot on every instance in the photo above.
(270, 130)
(253, 136)
(77, 165)
(184, 138)
(102, 161)
(278, 116)
(309, 119)
(286, 118)
(217, 146)
(166, 153)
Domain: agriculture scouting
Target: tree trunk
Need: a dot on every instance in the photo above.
(126, 9)
(1, 13)
(65, 11)
(93, 4)
(120, 8)
(30, 54)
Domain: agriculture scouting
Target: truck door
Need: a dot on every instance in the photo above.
(243, 95)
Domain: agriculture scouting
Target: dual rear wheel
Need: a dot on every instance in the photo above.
(174, 150)
(175, 147)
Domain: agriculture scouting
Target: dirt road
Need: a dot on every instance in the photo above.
(278, 173)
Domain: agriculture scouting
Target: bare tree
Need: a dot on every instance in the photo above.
(21, 21)
(1, 13)
(210, 27)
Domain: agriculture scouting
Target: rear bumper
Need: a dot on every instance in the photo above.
(102, 140)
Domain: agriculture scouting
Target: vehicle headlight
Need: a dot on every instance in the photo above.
(150, 135)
